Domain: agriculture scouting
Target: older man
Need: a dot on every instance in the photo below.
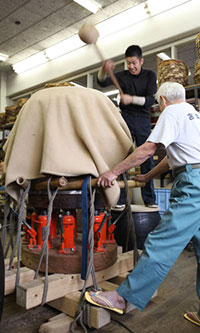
(178, 130)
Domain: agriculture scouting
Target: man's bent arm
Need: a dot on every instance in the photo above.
(162, 167)
(140, 155)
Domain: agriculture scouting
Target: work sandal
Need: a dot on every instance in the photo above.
(193, 317)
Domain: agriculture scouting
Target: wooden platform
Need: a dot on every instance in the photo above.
(164, 314)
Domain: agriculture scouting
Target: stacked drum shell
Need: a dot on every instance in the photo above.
(197, 63)
(174, 71)
(198, 44)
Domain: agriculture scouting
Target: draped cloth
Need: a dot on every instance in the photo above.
(66, 131)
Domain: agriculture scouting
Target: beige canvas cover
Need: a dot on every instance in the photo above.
(66, 131)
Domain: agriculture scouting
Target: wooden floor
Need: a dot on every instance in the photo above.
(164, 314)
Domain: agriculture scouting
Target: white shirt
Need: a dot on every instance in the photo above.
(178, 129)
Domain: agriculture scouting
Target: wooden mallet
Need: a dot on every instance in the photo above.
(89, 35)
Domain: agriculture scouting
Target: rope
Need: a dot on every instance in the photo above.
(6, 211)
(83, 311)
(44, 249)
(23, 194)
(130, 223)
(11, 232)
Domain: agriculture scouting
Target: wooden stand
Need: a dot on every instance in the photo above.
(64, 292)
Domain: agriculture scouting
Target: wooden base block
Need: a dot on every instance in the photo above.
(69, 303)
(119, 279)
(59, 316)
(29, 294)
(26, 274)
(57, 326)
(7, 262)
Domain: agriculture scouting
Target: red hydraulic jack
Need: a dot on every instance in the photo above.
(100, 231)
(109, 239)
(29, 233)
(41, 230)
(68, 229)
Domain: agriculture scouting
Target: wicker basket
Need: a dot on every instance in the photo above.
(11, 114)
(173, 70)
(198, 43)
(61, 84)
(2, 119)
(21, 102)
(197, 72)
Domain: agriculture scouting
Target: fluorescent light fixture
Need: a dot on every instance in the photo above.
(107, 27)
(163, 56)
(157, 6)
(64, 47)
(31, 62)
(91, 5)
(135, 15)
(3, 57)
(121, 21)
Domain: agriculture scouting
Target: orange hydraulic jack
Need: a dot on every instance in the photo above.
(41, 230)
(98, 239)
(68, 229)
(104, 228)
(111, 229)
(30, 234)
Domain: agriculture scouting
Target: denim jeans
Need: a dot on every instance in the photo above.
(140, 128)
(179, 224)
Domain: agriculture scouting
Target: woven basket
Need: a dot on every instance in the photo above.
(21, 102)
(198, 43)
(61, 84)
(174, 71)
(197, 72)
(2, 119)
(11, 113)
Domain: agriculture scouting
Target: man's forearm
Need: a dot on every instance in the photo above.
(140, 155)
(162, 167)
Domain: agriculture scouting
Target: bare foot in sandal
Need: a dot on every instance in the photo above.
(109, 299)
(193, 317)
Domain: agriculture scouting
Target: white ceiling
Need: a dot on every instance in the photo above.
(30, 26)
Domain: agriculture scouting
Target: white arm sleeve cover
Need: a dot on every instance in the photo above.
(139, 100)
(101, 75)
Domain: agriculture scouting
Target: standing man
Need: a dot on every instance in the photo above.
(178, 130)
(139, 87)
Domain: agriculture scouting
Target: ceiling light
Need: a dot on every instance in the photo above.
(64, 47)
(91, 5)
(3, 57)
(157, 7)
(123, 20)
(163, 56)
(31, 62)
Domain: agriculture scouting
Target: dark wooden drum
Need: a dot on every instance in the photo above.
(145, 220)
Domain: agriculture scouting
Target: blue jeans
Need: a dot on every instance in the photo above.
(140, 128)
(179, 224)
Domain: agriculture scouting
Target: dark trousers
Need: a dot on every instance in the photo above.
(140, 128)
